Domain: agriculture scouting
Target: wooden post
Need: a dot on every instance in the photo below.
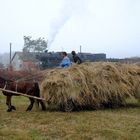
(80, 49)
(10, 52)
(10, 61)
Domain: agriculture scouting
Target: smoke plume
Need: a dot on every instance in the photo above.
(69, 8)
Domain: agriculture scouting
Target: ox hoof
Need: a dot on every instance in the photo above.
(28, 110)
(9, 109)
(13, 107)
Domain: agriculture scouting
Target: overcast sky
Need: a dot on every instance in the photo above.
(99, 26)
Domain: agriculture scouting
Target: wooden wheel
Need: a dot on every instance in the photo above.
(69, 106)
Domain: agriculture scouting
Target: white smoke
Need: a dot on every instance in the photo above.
(69, 8)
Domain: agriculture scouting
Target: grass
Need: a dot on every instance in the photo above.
(108, 124)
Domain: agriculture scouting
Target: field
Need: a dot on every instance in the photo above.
(108, 124)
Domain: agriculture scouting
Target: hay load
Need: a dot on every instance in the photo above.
(92, 85)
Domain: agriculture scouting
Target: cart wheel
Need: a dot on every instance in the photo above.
(69, 106)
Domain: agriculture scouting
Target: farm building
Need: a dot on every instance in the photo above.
(53, 59)
(21, 61)
(44, 60)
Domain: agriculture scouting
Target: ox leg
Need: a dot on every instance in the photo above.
(8, 102)
(43, 105)
(10, 106)
(31, 104)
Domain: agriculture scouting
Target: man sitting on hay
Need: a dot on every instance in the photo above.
(66, 61)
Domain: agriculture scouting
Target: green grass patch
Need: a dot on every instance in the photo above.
(108, 124)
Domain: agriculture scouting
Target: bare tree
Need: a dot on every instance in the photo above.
(38, 45)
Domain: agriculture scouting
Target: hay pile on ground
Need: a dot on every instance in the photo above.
(92, 85)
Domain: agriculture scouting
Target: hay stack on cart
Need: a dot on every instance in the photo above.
(93, 85)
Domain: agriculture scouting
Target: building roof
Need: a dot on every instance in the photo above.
(26, 56)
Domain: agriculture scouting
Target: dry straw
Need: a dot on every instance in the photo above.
(92, 84)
